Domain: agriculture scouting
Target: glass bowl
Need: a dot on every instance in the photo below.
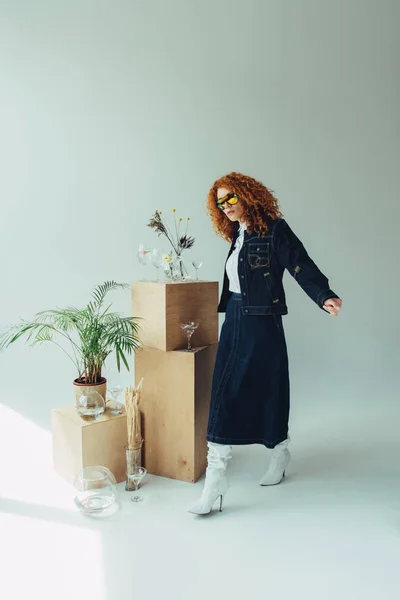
(90, 406)
(95, 489)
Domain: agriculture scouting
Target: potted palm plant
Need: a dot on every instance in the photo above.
(92, 333)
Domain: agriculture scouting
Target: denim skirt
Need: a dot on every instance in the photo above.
(250, 389)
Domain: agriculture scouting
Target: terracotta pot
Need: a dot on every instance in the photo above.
(80, 389)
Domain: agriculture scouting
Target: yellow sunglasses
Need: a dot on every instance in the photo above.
(231, 199)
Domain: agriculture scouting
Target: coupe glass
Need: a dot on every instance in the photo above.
(197, 263)
(95, 489)
(189, 327)
(144, 256)
(157, 261)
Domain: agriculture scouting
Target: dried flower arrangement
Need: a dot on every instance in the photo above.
(178, 241)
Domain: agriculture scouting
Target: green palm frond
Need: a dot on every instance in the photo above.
(15, 332)
(91, 308)
(129, 323)
(66, 319)
(93, 335)
(100, 292)
(43, 333)
(122, 334)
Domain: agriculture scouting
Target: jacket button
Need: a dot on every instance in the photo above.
(244, 293)
(246, 311)
(242, 276)
(241, 260)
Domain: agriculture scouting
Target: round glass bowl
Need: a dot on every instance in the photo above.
(90, 406)
(95, 489)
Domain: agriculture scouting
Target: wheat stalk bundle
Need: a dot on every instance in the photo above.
(132, 399)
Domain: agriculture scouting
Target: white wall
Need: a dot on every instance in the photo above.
(112, 109)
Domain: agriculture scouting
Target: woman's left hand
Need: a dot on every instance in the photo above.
(333, 306)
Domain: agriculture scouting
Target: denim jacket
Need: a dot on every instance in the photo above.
(262, 262)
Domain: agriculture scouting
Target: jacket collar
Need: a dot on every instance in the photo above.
(247, 236)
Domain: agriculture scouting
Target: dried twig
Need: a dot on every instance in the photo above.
(182, 242)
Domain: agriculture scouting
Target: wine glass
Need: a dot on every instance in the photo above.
(197, 263)
(144, 256)
(189, 327)
(157, 261)
(114, 405)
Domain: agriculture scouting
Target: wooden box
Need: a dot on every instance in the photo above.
(163, 306)
(78, 443)
(175, 405)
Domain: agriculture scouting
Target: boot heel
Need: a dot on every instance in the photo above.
(220, 503)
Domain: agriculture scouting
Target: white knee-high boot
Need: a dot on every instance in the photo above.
(280, 459)
(216, 484)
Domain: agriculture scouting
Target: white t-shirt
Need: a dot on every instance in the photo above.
(233, 262)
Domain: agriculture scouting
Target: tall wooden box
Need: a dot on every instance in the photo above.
(163, 306)
(175, 405)
(78, 443)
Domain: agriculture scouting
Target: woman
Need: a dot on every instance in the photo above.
(250, 390)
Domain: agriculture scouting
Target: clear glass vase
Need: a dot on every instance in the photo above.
(133, 458)
(168, 272)
(180, 272)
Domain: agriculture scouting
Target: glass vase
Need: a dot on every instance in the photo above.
(180, 272)
(133, 457)
(168, 272)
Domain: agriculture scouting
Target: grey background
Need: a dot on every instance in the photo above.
(110, 110)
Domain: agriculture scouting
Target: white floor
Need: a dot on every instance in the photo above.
(330, 531)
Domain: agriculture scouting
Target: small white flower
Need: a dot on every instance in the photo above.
(167, 258)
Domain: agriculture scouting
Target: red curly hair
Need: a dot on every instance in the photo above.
(259, 205)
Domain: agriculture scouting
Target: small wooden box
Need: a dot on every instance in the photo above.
(78, 443)
(164, 306)
(175, 405)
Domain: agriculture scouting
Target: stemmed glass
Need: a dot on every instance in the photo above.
(189, 327)
(114, 405)
(144, 256)
(135, 478)
(157, 261)
(197, 263)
